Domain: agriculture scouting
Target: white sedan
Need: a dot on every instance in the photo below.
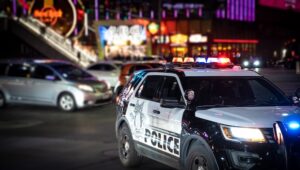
(105, 70)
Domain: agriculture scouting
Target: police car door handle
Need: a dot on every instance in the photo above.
(131, 104)
(156, 111)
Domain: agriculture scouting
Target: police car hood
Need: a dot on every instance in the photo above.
(259, 117)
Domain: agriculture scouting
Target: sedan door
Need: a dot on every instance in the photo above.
(44, 85)
(16, 83)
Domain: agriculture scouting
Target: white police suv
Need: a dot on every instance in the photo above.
(201, 118)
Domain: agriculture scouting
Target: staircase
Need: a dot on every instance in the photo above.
(49, 42)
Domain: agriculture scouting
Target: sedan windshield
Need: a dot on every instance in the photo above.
(235, 92)
(71, 72)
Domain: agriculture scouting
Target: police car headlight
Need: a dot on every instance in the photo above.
(243, 134)
(86, 88)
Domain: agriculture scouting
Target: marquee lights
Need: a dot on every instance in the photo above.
(123, 34)
(197, 38)
(179, 39)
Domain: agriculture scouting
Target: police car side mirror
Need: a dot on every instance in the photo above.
(170, 103)
(189, 95)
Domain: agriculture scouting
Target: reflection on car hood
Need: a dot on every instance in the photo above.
(262, 117)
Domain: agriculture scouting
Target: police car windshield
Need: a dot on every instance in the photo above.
(234, 92)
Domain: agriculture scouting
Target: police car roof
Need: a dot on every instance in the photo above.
(216, 72)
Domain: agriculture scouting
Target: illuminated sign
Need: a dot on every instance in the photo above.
(60, 15)
(123, 40)
(162, 39)
(183, 5)
(282, 4)
(153, 28)
(123, 35)
(197, 38)
(179, 39)
(48, 15)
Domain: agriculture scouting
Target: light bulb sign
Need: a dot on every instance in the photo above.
(123, 40)
(123, 35)
(197, 38)
(59, 14)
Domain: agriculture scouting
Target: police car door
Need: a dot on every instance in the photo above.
(141, 107)
(166, 125)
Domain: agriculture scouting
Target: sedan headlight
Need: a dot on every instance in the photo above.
(246, 63)
(239, 134)
(256, 63)
(86, 88)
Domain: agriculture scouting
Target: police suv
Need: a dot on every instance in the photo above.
(204, 118)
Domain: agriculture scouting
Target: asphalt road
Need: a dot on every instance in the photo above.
(34, 137)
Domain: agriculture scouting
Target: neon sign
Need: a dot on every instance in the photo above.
(60, 15)
(197, 38)
(48, 15)
(179, 39)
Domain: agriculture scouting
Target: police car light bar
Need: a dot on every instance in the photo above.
(188, 60)
(222, 60)
(177, 60)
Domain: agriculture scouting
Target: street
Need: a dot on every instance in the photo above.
(36, 137)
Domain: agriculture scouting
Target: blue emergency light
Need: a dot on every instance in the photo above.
(293, 125)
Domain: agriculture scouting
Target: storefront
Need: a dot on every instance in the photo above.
(199, 38)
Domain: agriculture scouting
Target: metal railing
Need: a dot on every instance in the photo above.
(64, 45)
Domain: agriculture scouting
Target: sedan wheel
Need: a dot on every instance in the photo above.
(66, 102)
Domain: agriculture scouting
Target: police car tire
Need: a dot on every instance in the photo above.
(199, 157)
(130, 158)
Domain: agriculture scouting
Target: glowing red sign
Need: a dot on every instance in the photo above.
(48, 15)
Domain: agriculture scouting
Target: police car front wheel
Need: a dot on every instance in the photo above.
(127, 153)
(199, 158)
